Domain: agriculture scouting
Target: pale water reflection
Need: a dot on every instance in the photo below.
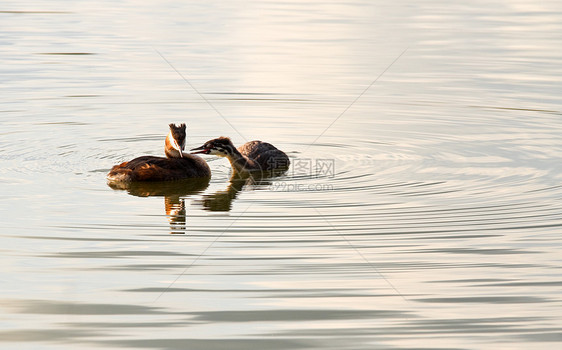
(438, 226)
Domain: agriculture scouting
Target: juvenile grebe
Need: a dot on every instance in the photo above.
(251, 156)
(176, 166)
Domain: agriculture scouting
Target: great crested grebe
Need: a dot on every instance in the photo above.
(178, 165)
(251, 156)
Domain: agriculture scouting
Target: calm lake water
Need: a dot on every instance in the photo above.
(423, 208)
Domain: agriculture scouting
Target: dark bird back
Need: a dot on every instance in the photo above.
(150, 168)
(267, 156)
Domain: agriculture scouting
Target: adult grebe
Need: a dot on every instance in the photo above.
(176, 166)
(251, 156)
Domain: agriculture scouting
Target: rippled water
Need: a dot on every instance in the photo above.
(423, 208)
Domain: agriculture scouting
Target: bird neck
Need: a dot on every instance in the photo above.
(170, 150)
(239, 162)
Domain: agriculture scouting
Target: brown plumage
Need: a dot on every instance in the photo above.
(177, 166)
(149, 168)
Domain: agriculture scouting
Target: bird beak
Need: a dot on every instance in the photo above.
(178, 148)
(201, 149)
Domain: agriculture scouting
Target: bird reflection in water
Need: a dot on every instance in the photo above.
(222, 200)
(174, 193)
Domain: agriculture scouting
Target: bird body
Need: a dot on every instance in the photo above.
(176, 166)
(150, 168)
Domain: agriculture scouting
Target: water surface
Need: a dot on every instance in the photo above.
(423, 208)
